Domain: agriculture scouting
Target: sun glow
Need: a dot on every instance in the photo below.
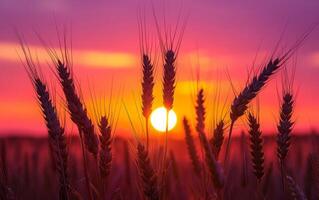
(158, 119)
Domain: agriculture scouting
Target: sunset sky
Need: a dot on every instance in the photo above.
(221, 37)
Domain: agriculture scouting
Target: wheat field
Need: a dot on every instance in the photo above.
(223, 151)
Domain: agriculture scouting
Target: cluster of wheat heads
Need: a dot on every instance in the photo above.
(212, 147)
(56, 134)
(97, 141)
(97, 144)
(211, 173)
(154, 182)
(238, 108)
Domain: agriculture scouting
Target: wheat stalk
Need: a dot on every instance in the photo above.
(192, 152)
(147, 174)
(213, 166)
(254, 86)
(55, 131)
(169, 79)
(217, 140)
(284, 128)
(56, 135)
(77, 112)
(295, 192)
(256, 146)
(147, 91)
(243, 149)
(241, 101)
(200, 112)
(105, 154)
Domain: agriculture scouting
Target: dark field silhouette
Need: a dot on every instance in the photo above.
(28, 170)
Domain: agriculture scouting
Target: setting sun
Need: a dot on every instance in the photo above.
(158, 119)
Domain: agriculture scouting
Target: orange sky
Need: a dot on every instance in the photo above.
(219, 37)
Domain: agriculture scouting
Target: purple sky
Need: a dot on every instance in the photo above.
(222, 34)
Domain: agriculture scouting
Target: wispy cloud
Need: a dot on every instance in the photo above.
(314, 59)
(88, 58)
(202, 59)
(190, 87)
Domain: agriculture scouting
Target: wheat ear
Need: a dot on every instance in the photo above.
(241, 101)
(200, 112)
(218, 138)
(76, 108)
(55, 131)
(192, 152)
(284, 128)
(213, 166)
(149, 179)
(147, 91)
(105, 154)
(169, 78)
(256, 146)
(56, 137)
(77, 111)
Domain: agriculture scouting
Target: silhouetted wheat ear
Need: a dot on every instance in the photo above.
(105, 155)
(55, 131)
(294, 190)
(147, 85)
(213, 166)
(76, 109)
(147, 91)
(217, 140)
(192, 152)
(56, 136)
(241, 101)
(148, 177)
(200, 112)
(256, 146)
(169, 78)
(211, 163)
(285, 126)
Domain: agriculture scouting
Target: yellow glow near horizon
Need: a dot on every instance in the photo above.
(83, 57)
(158, 119)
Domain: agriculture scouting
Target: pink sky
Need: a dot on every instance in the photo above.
(220, 36)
